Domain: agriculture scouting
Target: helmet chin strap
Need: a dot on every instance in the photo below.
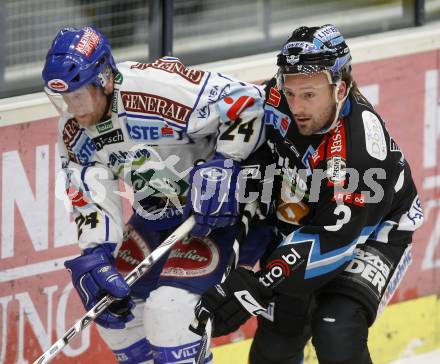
(339, 104)
(104, 79)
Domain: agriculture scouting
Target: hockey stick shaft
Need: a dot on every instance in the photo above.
(105, 302)
(243, 229)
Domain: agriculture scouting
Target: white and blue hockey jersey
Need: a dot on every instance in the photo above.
(165, 118)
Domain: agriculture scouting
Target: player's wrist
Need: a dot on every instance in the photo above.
(246, 280)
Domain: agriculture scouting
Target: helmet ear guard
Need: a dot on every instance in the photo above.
(103, 78)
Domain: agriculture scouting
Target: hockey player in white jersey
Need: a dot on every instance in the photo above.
(164, 130)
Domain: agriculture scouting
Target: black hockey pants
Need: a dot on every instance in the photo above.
(336, 323)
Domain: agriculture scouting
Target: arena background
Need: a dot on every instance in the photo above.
(397, 70)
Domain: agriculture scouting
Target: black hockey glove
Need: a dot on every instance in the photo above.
(231, 303)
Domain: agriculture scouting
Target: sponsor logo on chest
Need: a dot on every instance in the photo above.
(148, 130)
(155, 105)
(105, 126)
(357, 199)
(122, 156)
(115, 136)
(336, 155)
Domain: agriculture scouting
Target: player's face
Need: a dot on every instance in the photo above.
(87, 104)
(311, 100)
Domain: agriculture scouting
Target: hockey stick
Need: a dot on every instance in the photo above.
(131, 278)
(243, 229)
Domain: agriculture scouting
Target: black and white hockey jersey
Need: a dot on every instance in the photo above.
(335, 191)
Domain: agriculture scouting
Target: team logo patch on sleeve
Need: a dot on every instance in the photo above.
(374, 136)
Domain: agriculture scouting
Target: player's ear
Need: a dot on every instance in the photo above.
(109, 87)
(342, 90)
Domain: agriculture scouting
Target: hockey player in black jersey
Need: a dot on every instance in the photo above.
(346, 209)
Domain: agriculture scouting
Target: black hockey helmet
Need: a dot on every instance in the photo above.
(314, 49)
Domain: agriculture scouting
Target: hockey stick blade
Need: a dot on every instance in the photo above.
(131, 278)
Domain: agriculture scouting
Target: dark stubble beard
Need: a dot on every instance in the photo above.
(331, 118)
(331, 112)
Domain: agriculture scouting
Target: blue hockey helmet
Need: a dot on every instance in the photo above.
(77, 57)
(315, 49)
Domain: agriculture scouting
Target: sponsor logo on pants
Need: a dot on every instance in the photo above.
(371, 269)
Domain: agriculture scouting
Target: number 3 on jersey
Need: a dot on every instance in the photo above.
(344, 214)
(237, 127)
